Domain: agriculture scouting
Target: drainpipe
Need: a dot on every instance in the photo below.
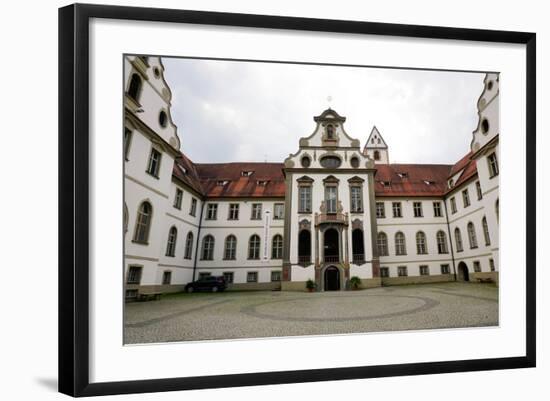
(450, 238)
(198, 238)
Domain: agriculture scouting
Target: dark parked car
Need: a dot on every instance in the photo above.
(210, 283)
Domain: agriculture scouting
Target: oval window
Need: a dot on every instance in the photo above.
(306, 162)
(354, 161)
(485, 126)
(330, 162)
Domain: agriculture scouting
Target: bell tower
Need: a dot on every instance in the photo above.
(376, 148)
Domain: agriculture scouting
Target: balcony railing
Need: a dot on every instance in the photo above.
(331, 218)
(331, 259)
(358, 258)
(304, 259)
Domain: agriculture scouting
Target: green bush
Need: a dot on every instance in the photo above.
(355, 282)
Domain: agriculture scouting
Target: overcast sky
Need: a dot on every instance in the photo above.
(251, 111)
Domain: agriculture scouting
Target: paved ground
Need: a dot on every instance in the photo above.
(183, 317)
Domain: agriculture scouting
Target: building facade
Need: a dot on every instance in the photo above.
(331, 211)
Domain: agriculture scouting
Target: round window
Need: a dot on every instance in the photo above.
(485, 126)
(490, 85)
(306, 161)
(330, 162)
(354, 161)
(163, 118)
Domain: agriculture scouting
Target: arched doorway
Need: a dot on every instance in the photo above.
(463, 274)
(332, 279)
(331, 246)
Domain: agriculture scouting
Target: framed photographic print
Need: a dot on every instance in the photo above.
(251, 199)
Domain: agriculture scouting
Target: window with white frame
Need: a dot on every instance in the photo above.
(458, 240)
(230, 248)
(453, 205)
(356, 199)
(212, 211)
(421, 247)
(134, 274)
(478, 190)
(166, 277)
(437, 209)
(396, 208)
(466, 198)
(486, 231)
(304, 193)
(207, 248)
(193, 209)
(441, 239)
(256, 211)
(204, 275)
(188, 245)
(153, 166)
(252, 277)
(178, 198)
(445, 269)
(477, 266)
(171, 245)
(331, 198)
(275, 275)
(400, 247)
(254, 247)
(380, 210)
(384, 272)
(493, 165)
(127, 141)
(492, 265)
(233, 211)
(417, 209)
(228, 277)
(402, 271)
(279, 211)
(382, 242)
(143, 223)
(424, 270)
(472, 235)
(277, 247)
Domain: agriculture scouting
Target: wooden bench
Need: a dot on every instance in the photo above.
(148, 296)
(485, 280)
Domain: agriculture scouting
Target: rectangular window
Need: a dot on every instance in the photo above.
(256, 211)
(445, 269)
(417, 208)
(453, 205)
(193, 209)
(493, 165)
(402, 271)
(127, 140)
(331, 198)
(380, 210)
(153, 167)
(304, 193)
(166, 278)
(477, 266)
(212, 211)
(228, 277)
(356, 199)
(396, 207)
(424, 271)
(478, 189)
(178, 198)
(233, 211)
(204, 275)
(279, 211)
(437, 209)
(134, 275)
(252, 277)
(276, 275)
(466, 198)
(384, 272)
(492, 265)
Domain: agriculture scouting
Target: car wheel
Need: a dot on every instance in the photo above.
(214, 289)
(190, 289)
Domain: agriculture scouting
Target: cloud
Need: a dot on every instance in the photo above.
(247, 111)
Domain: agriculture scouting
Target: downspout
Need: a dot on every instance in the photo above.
(197, 243)
(450, 238)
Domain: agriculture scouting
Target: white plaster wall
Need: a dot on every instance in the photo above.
(300, 273)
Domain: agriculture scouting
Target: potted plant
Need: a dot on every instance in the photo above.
(355, 282)
(310, 285)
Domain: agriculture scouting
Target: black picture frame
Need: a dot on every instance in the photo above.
(74, 198)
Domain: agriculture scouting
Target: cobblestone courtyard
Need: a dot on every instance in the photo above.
(205, 316)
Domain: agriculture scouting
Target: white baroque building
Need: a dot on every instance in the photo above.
(329, 212)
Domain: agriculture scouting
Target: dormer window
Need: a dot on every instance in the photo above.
(246, 173)
(182, 169)
(403, 176)
(262, 183)
(428, 182)
(386, 183)
(451, 183)
(330, 131)
(222, 183)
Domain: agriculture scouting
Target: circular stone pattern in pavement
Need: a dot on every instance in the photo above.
(347, 308)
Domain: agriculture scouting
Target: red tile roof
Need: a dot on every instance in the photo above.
(267, 180)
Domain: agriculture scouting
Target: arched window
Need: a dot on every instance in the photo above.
(496, 210)
(400, 247)
(376, 155)
(486, 231)
(382, 242)
(458, 240)
(230, 250)
(172, 238)
(421, 247)
(441, 242)
(358, 246)
(472, 235)
(207, 248)
(254, 247)
(125, 217)
(277, 247)
(188, 245)
(304, 247)
(135, 87)
(143, 223)
(330, 131)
